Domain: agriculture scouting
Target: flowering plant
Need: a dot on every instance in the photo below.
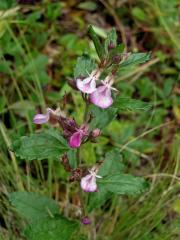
(98, 84)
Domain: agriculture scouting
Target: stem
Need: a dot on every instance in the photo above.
(80, 192)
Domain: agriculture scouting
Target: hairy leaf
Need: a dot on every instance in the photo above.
(49, 144)
(135, 58)
(33, 206)
(123, 184)
(84, 66)
(101, 117)
(112, 163)
(99, 47)
(129, 104)
(57, 228)
(98, 198)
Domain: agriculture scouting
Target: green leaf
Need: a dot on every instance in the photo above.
(102, 117)
(129, 104)
(135, 58)
(88, 153)
(33, 206)
(112, 163)
(97, 199)
(118, 50)
(49, 144)
(139, 13)
(88, 5)
(84, 66)
(99, 47)
(72, 158)
(4, 5)
(121, 184)
(111, 38)
(57, 228)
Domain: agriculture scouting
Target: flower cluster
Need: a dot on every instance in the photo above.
(95, 90)
(72, 132)
(100, 95)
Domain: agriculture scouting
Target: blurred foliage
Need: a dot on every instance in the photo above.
(39, 44)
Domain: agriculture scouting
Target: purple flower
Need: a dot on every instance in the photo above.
(42, 118)
(88, 85)
(102, 96)
(77, 137)
(88, 183)
(85, 220)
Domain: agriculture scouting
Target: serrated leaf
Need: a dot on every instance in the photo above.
(33, 206)
(57, 228)
(98, 46)
(111, 38)
(112, 163)
(129, 104)
(98, 198)
(121, 184)
(135, 58)
(84, 66)
(101, 117)
(49, 144)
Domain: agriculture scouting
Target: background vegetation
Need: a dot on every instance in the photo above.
(39, 45)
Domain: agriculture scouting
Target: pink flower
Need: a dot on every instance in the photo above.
(88, 85)
(88, 183)
(96, 133)
(42, 118)
(77, 137)
(85, 221)
(102, 96)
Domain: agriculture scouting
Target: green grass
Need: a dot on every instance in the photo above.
(39, 45)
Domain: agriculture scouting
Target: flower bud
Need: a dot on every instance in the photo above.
(116, 58)
(111, 45)
(85, 221)
(43, 118)
(95, 133)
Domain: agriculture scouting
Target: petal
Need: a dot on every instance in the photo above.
(88, 183)
(98, 176)
(102, 97)
(41, 118)
(88, 85)
(84, 129)
(75, 140)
